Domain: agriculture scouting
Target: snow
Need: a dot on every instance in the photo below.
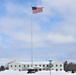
(39, 62)
(11, 72)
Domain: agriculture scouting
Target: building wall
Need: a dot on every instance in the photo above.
(37, 66)
(57, 66)
(15, 66)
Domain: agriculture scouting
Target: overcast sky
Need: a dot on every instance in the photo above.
(54, 30)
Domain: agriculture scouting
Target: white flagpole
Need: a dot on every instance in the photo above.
(31, 42)
(31, 39)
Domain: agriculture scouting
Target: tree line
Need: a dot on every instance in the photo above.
(70, 66)
(2, 68)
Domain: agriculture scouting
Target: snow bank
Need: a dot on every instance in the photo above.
(11, 72)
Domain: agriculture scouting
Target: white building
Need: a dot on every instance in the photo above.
(22, 66)
(57, 66)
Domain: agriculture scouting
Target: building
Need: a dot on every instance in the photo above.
(57, 66)
(23, 66)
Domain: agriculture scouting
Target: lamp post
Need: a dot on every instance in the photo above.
(50, 65)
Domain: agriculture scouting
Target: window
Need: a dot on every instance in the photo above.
(60, 65)
(40, 65)
(28, 65)
(11, 65)
(47, 65)
(19, 65)
(56, 69)
(60, 69)
(43, 65)
(56, 65)
(15, 66)
(31, 65)
(39, 69)
(35, 65)
(24, 65)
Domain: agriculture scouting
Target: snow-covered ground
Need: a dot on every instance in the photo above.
(37, 73)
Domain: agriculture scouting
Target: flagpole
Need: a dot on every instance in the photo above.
(36, 11)
(31, 42)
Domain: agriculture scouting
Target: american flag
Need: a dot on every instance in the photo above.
(37, 9)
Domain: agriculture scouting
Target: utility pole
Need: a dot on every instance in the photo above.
(50, 65)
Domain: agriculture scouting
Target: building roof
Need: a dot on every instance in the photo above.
(45, 62)
(40, 62)
(56, 62)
